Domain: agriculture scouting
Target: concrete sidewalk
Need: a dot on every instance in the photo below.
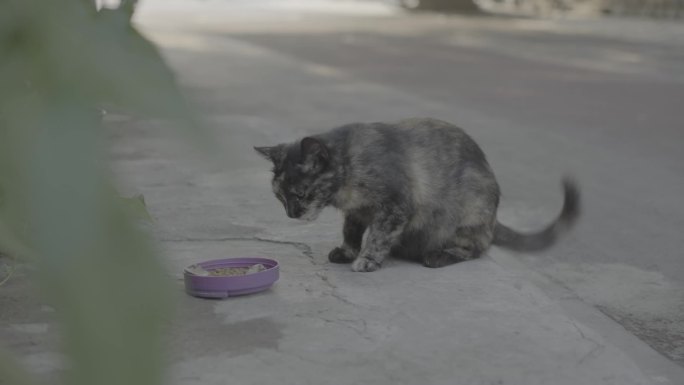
(489, 321)
(481, 322)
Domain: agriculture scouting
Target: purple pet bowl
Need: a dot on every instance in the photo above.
(231, 286)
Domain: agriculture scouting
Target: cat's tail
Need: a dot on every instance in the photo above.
(506, 237)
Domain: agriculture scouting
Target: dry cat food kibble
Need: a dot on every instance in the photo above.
(226, 271)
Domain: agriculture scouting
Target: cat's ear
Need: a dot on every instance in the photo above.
(264, 151)
(315, 154)
(273, 153)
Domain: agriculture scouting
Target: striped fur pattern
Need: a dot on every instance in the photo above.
(418, 189)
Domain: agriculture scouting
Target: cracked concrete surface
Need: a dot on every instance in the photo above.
(488, 321)
(323, 324)
(473, 323)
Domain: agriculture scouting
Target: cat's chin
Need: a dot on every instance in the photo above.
(310, 216)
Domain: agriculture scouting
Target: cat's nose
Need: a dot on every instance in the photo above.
(293, 209)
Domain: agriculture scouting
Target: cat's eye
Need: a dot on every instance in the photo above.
(299, 195)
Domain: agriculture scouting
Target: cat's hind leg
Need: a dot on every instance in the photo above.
(469, 242)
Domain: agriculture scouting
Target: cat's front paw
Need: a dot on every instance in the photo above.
(364, 265)
(341, 255)
(436, 261)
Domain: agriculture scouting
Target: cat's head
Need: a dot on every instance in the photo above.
(303, 176)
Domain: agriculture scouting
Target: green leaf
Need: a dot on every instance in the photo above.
(12, 372)
(60, 60)
(136, 208)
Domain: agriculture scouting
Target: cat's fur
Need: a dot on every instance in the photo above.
(418, 189)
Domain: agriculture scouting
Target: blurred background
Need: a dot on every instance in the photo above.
(590, 88)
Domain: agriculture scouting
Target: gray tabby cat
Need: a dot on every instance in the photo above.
(418, 189)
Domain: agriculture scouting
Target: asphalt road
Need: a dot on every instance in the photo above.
(601, 101)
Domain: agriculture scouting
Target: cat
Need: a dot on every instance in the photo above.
(419, 189)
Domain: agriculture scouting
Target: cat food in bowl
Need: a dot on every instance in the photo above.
(230, 277)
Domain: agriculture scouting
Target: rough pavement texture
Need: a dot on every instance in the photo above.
(261, 78)
(475, 323)
(599, 99)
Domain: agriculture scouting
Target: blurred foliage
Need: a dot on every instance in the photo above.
(7, 268)
(136, 207)
(59, 61)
